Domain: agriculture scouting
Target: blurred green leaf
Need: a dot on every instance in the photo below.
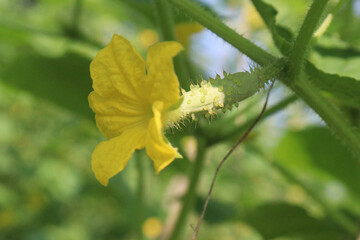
(143, 10)
(346, 24)
(65, 81)
(217, 212)
(317, 152)
(278, 219)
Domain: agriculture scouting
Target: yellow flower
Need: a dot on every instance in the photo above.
(152, 227)
(131, 99)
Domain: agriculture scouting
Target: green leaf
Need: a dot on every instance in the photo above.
(278, 219)
(346, 89)
(281, 35)
(343, 53)
(316, 152)
(333, 55)
(65, 81)
(346, 24)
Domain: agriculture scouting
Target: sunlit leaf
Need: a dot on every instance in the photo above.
(346, 89)
(278, 219)
(315, 151)
(338, 52)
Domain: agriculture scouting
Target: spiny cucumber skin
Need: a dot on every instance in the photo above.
(238, 86)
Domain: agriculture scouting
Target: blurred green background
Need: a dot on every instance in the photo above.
(291, 179)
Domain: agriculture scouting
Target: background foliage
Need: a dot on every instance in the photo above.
(291, 179)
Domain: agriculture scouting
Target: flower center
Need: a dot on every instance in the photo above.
(204, 98)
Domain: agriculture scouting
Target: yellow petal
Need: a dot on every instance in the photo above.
(162, 81)
(111, 157)
(118, 69)
(114, 114)
(160, 152)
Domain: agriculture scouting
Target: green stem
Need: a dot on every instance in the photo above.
(309, 93)
(341, 219)
(140, 206)
(297, 81)
(302, 41)
(166, 24)
(191, 191)
(194, 11)
(331, 115)
(338, 6)
(166, 21)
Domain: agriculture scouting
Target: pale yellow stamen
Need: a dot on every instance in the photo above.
(199, 99)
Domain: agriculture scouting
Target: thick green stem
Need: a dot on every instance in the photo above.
(215, 25)
(140, 206)
(166, 24)
(302, 41)
(330, 114)
(191, 191)
(311, 96)
(308, 93)
(340, 218)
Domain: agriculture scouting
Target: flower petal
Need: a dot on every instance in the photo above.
(118, 68)
(162, 81)
(111, 157)
(160, 152)
(114, 114)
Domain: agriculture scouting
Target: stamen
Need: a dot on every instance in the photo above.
(199, 99)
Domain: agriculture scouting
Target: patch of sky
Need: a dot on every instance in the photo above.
(356, 7)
